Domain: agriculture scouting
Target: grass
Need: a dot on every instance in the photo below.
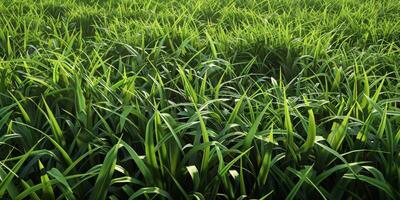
(295, 99)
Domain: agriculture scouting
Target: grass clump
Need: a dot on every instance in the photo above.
(199, 99)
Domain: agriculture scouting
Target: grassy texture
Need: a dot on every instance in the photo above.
(199, 99)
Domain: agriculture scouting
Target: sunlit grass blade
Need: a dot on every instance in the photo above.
(336, 137)
(250, 135)
(150, 190)
(103, 180)
(55, 127)
(311, 131)
(47, 190)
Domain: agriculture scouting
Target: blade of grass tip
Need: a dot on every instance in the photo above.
(361, 135)
(235, 110)
(9, 136)
(56, 73)
(139, 163)
(266, 161)
(47, 190)
(198, 196)
(364, 100)
(219, 84)
(212, 45)
(382, 124)
(397, 137)
(203, 87)
(311, 131)
(223, 171)
(9, 47)
(161, 91)
(194, 173)
(54, 125)
(267, 195)
(289, 128)
(174, 134)
(355, 85)
(55, 173)
(339, 112)
(103, 180)
(126, 111)
(150, 190)
(336, 137)
(193, 151)
(278, 89)
(338, 75)
(126, 179)
(377, 93)
(335, 169)
(252, 132)
(21, 108)
(189, 91)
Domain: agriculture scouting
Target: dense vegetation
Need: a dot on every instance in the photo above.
(199, 99)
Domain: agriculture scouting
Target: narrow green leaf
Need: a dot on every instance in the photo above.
(253, 130)
(104, 177)
(336, 137)
(150, 190)
(48, 192)
(54, 125)
(55, 173)
(311, 131)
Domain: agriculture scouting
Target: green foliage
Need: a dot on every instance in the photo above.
(199, 99)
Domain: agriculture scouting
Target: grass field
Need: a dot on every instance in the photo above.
(199, 99)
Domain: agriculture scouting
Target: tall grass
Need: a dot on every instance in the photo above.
(295, 99)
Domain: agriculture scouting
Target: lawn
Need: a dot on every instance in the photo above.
(199, 99)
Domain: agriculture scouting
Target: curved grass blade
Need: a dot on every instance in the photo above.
(104, 177)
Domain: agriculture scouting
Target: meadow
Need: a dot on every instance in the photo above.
(199, 99)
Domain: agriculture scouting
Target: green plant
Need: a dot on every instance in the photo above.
(199, 99)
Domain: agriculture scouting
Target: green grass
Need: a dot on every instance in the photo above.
(199, 99)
